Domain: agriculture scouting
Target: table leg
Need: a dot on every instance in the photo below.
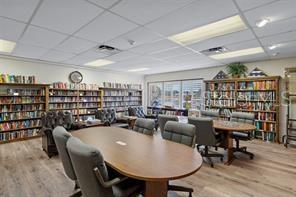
(230, 156)
(156, 189)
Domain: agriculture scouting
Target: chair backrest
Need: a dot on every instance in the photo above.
(162, 119)
(145, 126)
(205, 132)
(68, 120)
(180, 132)
(85, 159)
(106, 115)
(61, 136)
(243, 117)
(136, 111)
(209, 114)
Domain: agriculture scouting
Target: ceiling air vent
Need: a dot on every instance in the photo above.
(108, 50)
(214, 50)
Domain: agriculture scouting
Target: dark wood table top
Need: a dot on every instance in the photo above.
(233, 126)
(140, 156)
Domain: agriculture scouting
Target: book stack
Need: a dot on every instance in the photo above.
(7, 78)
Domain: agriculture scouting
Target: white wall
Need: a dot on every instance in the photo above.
(271, 68)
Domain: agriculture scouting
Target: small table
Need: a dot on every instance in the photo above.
(130, 120)
(148, 158)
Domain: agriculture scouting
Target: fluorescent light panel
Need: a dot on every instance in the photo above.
(262, 23)
(219, 28)
(238, 53)
(6, 46)
(99, 62)
(138, 69)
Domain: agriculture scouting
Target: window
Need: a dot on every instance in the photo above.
(178, 94)
(155, 94)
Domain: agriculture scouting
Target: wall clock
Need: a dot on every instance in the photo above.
(75, 77)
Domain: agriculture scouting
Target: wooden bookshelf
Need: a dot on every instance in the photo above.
(21, 106)
(258, 95)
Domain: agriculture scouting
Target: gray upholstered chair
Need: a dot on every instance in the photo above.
(61, 136)
(206, 136)
(184, 134)
(162, 119)
(145, 126)
(210, 114)
(108, 117)
(92, 173)
(245, 136)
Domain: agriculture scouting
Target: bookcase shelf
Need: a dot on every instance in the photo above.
(258, 95)
(21, 106)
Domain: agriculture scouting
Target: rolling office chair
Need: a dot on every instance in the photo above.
(210, 114)
(145, 126)
(61, 137)
(206, 135)
(92, 173)
(184, 134)
(245, 136)
(162, 119)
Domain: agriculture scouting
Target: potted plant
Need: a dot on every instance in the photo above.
(237, 69)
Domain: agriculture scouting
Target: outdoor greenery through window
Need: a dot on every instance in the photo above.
(184, 94)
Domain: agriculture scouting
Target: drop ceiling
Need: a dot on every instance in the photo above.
(68, 31)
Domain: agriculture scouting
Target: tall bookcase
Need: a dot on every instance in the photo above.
(21, 106)
(258, 95)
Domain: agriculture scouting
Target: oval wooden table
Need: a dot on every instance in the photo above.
(143, 157)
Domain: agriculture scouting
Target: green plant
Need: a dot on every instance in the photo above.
(236, 69)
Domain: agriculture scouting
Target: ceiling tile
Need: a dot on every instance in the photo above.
(276, 11)
(106, 27)
(223, 40)
(276, 27)
(283, 48)
(243, 45)
(154, 47)
(76, 45)
(28, 51)
(192, 16)
(65, 16)
(279, 38)
(104, 3)
(18, 9)
(57, 56)
(171, 53)
(10, 30)
(139, 36)
(41, 37)
(85, 57)
(248, 58)
(145, 11)
(122, 56)
(250, 4)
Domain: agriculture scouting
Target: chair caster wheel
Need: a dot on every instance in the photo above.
(252, 157)
(212, 165)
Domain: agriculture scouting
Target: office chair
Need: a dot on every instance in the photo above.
(162, 119)
(184, 134)
(206, 136)
(245, 136)
(210, 114)
(92, 173)
(145, 126)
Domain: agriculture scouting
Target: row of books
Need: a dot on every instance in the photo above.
(220, 86)
(108, 99)
(62, 99)
(257, 85)
(21, 100)
(89, 105)
(19, 115)
(219, 95)
(19, 124)
(122, 85)
(14, 108)
(268, 136)
(7, 78)
(266, 116)
(266, 126)
(73, 86)
(266, 106)
(18, 134)
(89, 93)
(261, 96)
(121, 93)
(63, 93)
(21, 92)
(121, 104)
(220, 103)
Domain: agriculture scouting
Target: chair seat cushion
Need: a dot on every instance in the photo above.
(241, 135)
(121, 125)
(126, 188)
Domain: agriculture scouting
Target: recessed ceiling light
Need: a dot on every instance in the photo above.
(262, 22)
(275, 54)
(99, 62)
(138, 69)
(238, 53)
(272, 47)
(219, 28)
(6, 46)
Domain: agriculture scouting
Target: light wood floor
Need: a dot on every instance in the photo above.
(25, 171)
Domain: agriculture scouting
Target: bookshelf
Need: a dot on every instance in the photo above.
(258, 95)
(121, 96)
(81, 100)
(21, 106)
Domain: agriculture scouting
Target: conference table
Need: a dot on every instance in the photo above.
(148, 158)
(226, 128)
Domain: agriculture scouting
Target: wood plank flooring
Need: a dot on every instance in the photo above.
(26, 171)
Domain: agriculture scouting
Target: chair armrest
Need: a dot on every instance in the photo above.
(150, 116)
(108, 184)
(46, 131)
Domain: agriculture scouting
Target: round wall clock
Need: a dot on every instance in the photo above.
(75, 77)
